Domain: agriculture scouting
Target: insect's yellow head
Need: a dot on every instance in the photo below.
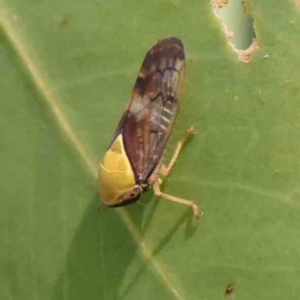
(117, 186)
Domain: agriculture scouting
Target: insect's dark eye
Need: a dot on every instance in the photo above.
(132, 195)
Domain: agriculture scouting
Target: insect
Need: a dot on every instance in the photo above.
(134, 158)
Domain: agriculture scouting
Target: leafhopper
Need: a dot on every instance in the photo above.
(133, 161)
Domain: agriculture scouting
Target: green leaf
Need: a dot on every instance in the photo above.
(67, 69)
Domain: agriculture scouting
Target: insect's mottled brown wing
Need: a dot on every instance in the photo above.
(148, 120)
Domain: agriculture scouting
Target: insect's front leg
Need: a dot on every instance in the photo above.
(158, 192)
(165, 170)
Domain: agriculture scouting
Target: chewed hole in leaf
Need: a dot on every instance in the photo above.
(297, 2)
(237, 26)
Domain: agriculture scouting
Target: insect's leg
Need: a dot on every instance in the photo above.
(158, 192)
(166, 170)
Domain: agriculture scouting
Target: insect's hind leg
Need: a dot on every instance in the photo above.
(158, 192)
(165, 170)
